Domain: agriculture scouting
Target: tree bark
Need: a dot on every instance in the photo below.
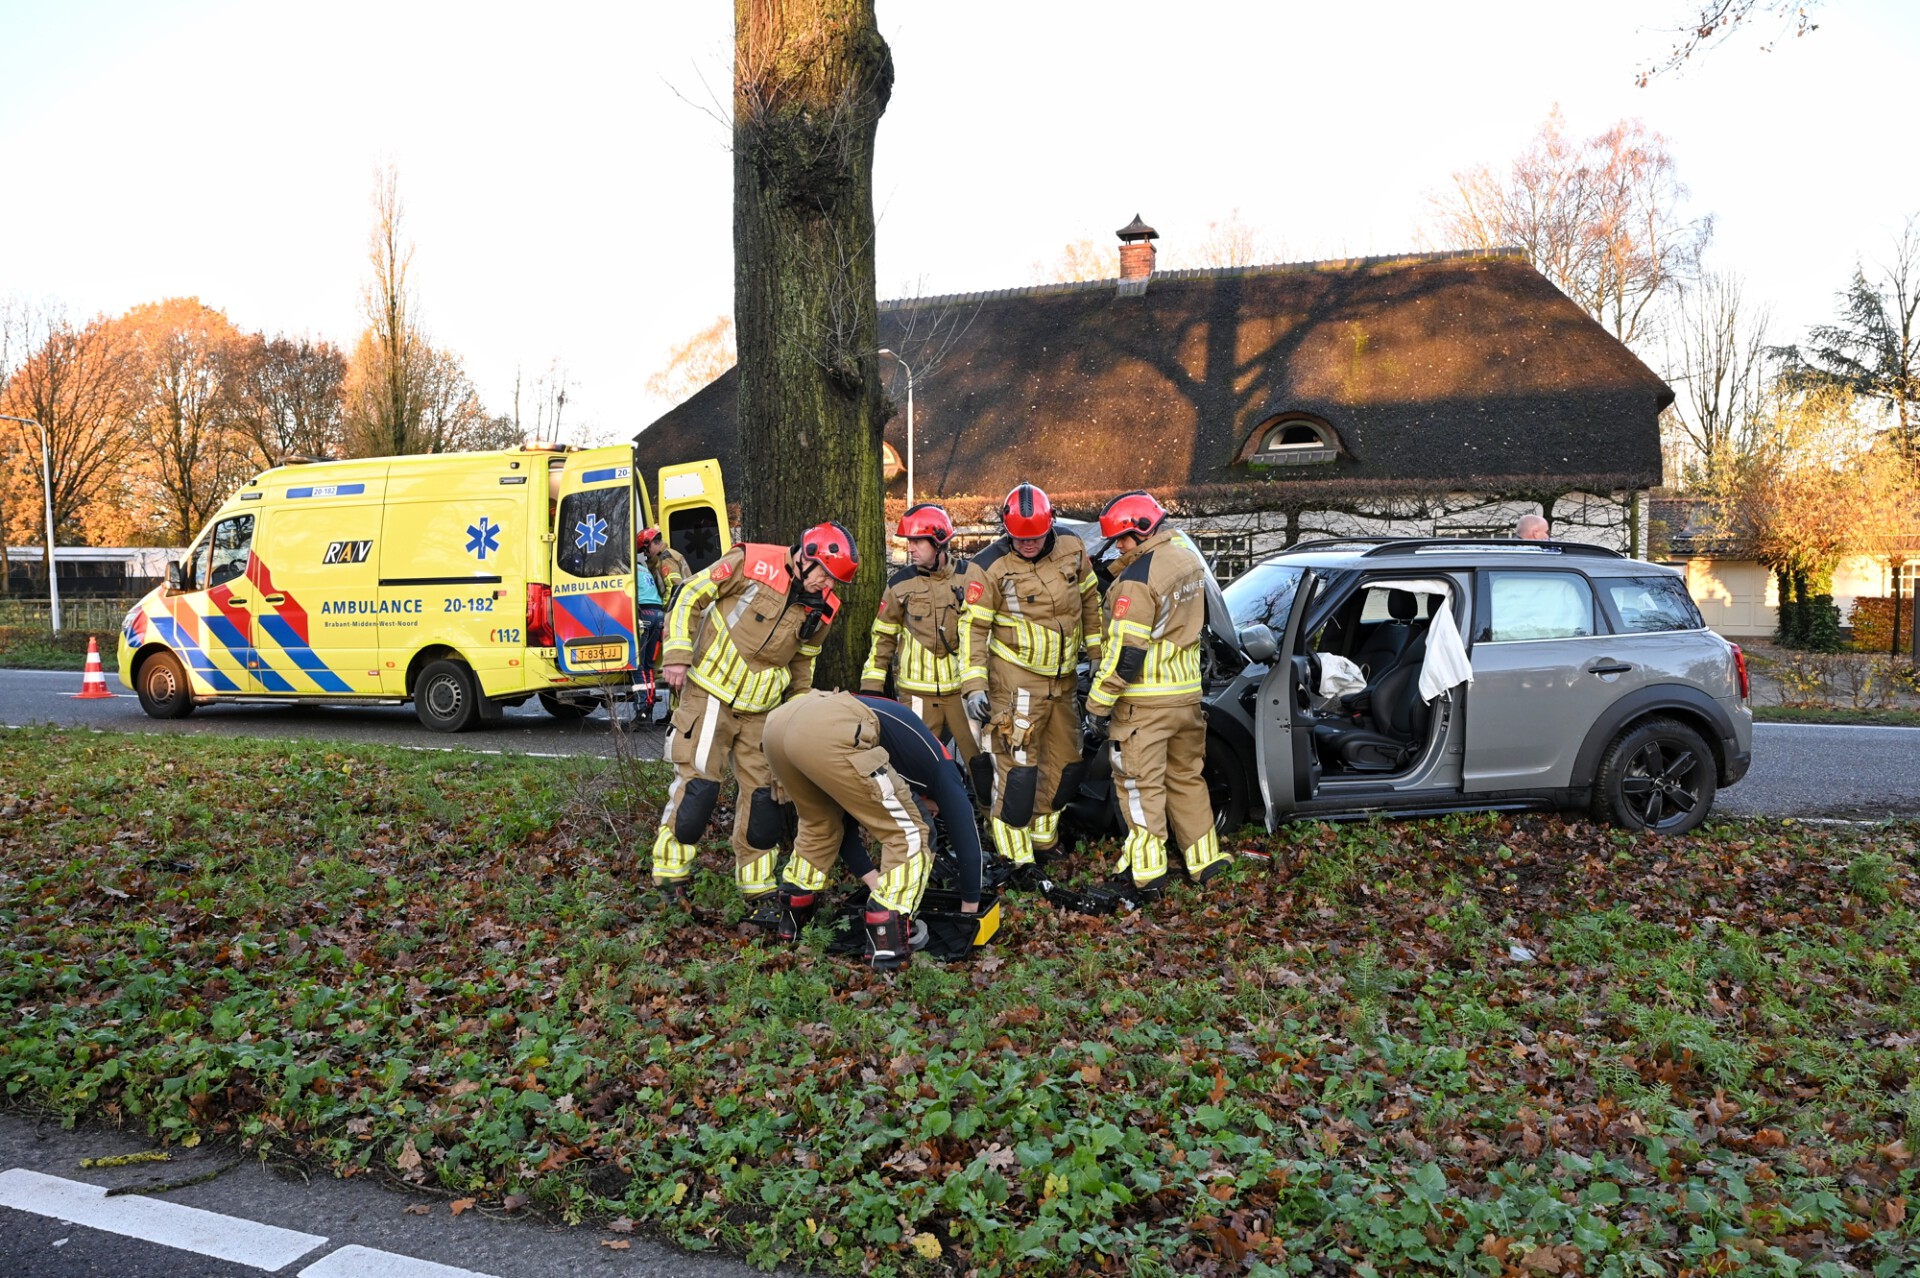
(811, 80)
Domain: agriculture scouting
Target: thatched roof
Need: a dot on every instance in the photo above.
(1436, 372)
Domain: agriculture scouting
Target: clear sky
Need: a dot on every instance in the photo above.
(569, 189)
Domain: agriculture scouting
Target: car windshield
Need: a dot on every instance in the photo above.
(1264, 596)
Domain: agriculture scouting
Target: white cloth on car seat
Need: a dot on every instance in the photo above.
(1446, 665)
(1339, 676)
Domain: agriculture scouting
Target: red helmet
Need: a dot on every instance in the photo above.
(831, 546)
(1135, 512)
(929, 521)
(1026, 512)
(645, 538)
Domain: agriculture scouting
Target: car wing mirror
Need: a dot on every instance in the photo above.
(1258, 643)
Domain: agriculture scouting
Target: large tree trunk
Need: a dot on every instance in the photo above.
(811, 79)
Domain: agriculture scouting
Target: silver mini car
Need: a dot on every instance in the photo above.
(1379, 675)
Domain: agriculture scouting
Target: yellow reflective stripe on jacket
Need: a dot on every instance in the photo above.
(1031, 646)
(879, 652)
(973, 663)
(689, 607)
(918, 668)
(1170, 670)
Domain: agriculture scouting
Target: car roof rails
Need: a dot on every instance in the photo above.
(1338, 543)
(1413, 545)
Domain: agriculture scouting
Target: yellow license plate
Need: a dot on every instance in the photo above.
(598, 652)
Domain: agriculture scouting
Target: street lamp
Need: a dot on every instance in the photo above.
(909, 368)
(46, 483)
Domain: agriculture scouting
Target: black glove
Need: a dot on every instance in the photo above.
(977, 708)
(1094, 728)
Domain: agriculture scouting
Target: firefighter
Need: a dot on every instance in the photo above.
(916, 633)
(837, 755)
(741, 636)
(1031, 604)
(669, 566)
(1145, 698)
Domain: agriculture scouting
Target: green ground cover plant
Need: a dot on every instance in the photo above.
(1475, 1044)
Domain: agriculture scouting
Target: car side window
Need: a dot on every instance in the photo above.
(232, 540)
(1649, 605)
(1537, 605)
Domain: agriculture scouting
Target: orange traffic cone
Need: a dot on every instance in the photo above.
(93, 684)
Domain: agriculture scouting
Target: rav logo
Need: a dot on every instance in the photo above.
(347, 552)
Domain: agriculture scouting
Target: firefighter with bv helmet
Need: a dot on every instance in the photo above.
(1145, 698)
(741, 637)
(916, 633)
(1032, 603)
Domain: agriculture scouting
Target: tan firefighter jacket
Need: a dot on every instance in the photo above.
(1034, 613)
(916, 633)
(1156, 609)
(748, 633)
(669, 568)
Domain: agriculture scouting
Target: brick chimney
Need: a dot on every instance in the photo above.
(1136, 249)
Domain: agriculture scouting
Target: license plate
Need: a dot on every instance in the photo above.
(597, 652)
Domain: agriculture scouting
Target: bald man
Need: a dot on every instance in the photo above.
(1531, 528)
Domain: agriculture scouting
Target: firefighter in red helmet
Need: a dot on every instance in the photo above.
(741, 637)
(1032, 603)
(1145, 698)
(916, 633)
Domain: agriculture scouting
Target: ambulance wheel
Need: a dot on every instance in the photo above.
(563, 709)
(162, 685)
(446, 698)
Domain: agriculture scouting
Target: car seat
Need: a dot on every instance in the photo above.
(1398, 720)
(1388, 639)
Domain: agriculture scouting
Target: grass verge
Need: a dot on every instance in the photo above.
(1809, 714)
(1471, 1044)
(33, 648)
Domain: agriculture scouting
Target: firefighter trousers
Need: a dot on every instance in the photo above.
(824, 750)
(705, 735)
(1034, 736)
(946, 717)
(1158, 752)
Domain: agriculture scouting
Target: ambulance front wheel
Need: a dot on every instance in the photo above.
(446, 697)
(162, 685)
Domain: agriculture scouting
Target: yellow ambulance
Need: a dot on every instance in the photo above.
(462, 582)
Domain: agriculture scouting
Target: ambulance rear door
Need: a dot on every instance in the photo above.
(693, 511)
(593, 561)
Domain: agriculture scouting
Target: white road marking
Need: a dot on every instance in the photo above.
(242, 1242)
(365, 1262)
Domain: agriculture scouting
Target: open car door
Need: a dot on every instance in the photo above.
(1289, 768)
(593, 529)
(693, 511)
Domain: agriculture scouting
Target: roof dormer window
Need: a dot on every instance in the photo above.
(1292, 439)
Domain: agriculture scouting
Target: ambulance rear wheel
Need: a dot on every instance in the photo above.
(163, 689)
(446, 698)
(563, 710)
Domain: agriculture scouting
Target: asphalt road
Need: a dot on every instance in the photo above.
(1800, 770)
(39, 696)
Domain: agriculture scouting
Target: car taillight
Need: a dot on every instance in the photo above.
(539, 615)
(1740, 670)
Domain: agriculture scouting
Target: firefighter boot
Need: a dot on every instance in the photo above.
(762, 911)
(796, 910)
(887, 939)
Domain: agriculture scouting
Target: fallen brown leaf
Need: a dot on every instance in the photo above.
(513, 1202)
(420, 1209)
(459, 1205)
(615, 1244)
(621, 1226)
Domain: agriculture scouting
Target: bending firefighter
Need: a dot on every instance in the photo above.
(1032, 602)
(741, 637)
(1145, 698)
(836, 756)
(916, 635)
